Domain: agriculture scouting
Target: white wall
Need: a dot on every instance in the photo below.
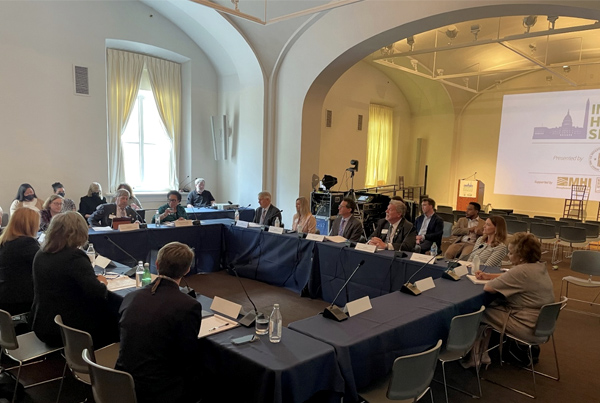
(49, 134)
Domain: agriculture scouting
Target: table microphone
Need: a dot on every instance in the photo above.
(450, 274)
(249, 318)
(129, 272)
(410, 288)
(141, 219)
(333, 311)
(183, 189)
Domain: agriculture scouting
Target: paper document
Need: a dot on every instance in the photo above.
(216, 324)
(475, 281)
(99, 229)
(336, 238)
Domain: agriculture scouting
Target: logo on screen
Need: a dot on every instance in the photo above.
(567, 130)
(565, 182)
(594, 159)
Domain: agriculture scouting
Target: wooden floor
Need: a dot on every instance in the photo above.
(577, 339)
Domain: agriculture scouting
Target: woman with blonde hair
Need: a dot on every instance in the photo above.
(89, 203)
(303, 220)
(18, 247)
(65, 284)
(52, 206)
(491, 246)
(133, 201)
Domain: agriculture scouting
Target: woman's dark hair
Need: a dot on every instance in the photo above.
(21, 191)
(176, 193)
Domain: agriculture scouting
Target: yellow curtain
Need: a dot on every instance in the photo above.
(124, 70)
(165, 78)
(379, 144)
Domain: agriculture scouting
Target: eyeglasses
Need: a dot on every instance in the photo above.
(172, 200)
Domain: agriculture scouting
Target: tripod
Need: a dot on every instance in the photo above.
(352, 194)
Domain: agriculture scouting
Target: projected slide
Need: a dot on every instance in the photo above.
(548, 142)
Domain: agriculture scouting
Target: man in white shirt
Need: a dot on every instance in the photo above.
(467, 229)
(394, 232)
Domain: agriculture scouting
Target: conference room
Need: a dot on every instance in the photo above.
(276, 82)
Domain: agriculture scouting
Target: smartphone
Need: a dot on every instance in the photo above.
(244, 339)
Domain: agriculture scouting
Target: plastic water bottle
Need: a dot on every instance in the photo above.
(476, 264)
(139, 273)
(277, 222)
(236, 216)
(275, 325)
(91, 253)
(146, 277)
(434, 249)
(157, 218)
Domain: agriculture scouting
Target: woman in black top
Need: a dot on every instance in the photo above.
(18, 247)
(65, 283)
(89, 203)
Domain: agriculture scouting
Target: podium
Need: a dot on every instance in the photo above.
(469, 191)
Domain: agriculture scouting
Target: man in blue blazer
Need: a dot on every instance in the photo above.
(430, 227)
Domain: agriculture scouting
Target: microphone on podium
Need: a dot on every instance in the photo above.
(334, 312)
(410, 288)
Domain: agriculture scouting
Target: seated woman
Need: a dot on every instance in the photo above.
(18, 247)
(89, 203)
(65, 283)
(303, 220)
(172, 210)
(522, 291)
(133, 202)
(52, 206)
(26, 198)
(491, 247)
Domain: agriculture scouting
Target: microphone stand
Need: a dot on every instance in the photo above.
(334, 312)
(131, 271)
(250, 317)
(450, 274)
(410, 288)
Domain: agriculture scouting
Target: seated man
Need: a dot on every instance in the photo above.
(172, 210)
(266, 213)
(468, 229)
(394, 232)
(430, 227)
(346, 224)
(105, 213)
(159, 332)
(68, 204)
(200, 197)
(407, 213)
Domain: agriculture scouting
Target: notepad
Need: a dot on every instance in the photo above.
(475, 281)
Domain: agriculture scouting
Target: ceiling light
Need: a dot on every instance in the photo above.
(411, 42)
(387, 50)
(529, 22)
(440, 72)
(567, 69)
(451, 31)
(414, 63)
(532, 47)
(552, 20)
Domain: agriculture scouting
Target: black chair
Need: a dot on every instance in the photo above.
(567, 237)
(545, 218)
(498, 212)
(448, 217)
(458, 214)
(591, 230)
(516, 226)
(508, 218)
(519, 216)
(571, 221)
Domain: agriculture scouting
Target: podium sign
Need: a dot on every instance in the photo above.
(467, 189)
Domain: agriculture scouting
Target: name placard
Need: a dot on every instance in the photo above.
(366, 248)
(276, 230)
(358, 306)
(184, 223)
(129, 227)
(101, 261)
(226, 307)
(315, 237)
(425, 284)
(417, 257)
(241, 224)
(461, 270)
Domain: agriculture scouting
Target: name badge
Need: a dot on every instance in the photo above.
(384, 231)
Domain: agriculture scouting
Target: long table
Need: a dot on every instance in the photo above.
(367, 345)
(206, 213)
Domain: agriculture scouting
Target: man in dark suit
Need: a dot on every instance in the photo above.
(105, 213)
(266, 213)
(346, 224)
(394, 232)
(430, 226)
(159, 333)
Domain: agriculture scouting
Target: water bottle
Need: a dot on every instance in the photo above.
(434, 249)
(275, 325)
(146, 277)
(91, 253)
(236, 215)
(476, 264)
(157, 218)
(139, 273)
(277, 223)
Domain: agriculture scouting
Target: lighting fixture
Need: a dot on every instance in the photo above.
(414, 63)
(411, 42)
(552, 20)
(529, 22)
(475, 28)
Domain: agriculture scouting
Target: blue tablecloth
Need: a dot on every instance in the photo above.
(203, 213)
(143, 244)
(366, 345)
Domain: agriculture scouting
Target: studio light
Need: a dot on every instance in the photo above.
(328, 181)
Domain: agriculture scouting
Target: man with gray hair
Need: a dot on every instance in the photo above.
(266, 213)
(394, 232)
(105, 213)
(200, 197)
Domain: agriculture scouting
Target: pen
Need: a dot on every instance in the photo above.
(218, 327)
